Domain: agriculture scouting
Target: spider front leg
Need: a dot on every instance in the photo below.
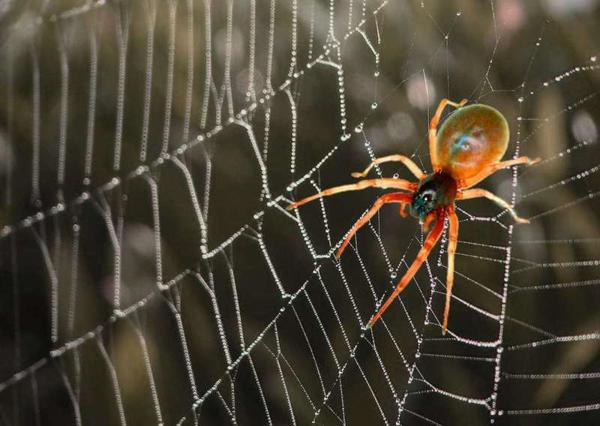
(396, 197)
(427, 221)
(452, 243)
(482, 193)
(493, 168)
(358, 186)
(410, 165)
(435, 120)
(428, 245)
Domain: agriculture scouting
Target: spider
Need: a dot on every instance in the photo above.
(468, 148)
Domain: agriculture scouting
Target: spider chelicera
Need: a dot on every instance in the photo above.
(467, 149)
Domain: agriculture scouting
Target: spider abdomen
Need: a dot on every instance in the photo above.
(470, 139)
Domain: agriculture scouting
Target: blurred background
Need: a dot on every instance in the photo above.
(151, 275)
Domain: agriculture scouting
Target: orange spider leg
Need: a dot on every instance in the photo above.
(492, 168)
(410, 165)
(428, 245)
(395, 197)
(360, 185)
(427, 221)
(452, 243)
(435, 120)
(478, 193)
(403, 210)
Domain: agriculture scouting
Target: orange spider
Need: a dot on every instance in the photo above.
(468, 149)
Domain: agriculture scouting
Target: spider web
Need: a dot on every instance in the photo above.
(151, 273)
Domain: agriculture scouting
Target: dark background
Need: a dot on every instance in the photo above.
(110, 273)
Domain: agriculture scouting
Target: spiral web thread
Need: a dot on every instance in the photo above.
(320, 318)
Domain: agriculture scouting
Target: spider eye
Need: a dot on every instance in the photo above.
(428, 196)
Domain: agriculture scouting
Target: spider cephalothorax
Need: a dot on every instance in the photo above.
(435, 191)
(468, 148)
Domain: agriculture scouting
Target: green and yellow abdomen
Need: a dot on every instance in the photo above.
(470, 139)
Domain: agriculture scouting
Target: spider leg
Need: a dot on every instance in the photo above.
(396, 197)
(435, 120)
(410, 165)
(428, 245)
(403, 210)
(478, 193)
(452, 243)
(427, 221)
(492, 168)
(360, 185)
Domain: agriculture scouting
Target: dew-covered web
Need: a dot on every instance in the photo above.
(152, 275)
